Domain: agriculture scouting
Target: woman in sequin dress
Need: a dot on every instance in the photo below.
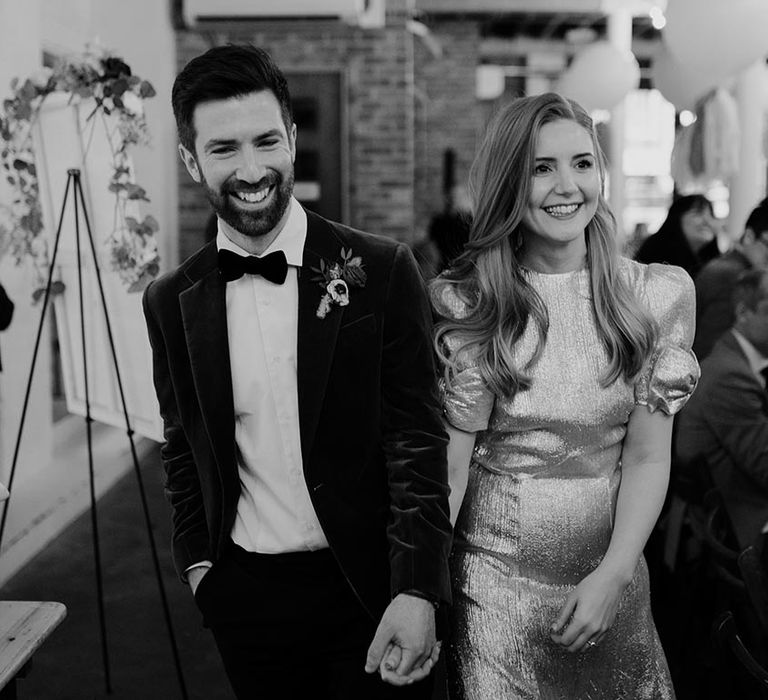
(564, 365)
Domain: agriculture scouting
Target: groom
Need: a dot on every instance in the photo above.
(304, 454)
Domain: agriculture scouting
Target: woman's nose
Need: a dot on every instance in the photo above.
(565, 182)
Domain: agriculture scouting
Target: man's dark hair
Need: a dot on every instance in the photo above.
(221, 73)
(749, 289)
(758, 219)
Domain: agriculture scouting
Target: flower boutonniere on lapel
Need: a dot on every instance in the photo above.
(336, 278)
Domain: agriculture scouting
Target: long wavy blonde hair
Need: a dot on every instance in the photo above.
(488, 276)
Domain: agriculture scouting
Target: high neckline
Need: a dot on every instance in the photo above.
(561, 275)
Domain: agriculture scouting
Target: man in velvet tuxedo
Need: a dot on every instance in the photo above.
(304, 454)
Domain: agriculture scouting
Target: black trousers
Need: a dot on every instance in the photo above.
(289, 626)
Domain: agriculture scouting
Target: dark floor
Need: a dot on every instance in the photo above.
(69, 665)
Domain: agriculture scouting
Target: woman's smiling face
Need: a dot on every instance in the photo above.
(565, 187)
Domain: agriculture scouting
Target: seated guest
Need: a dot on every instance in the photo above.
(688, 236)
(725, 424)
(715, 281)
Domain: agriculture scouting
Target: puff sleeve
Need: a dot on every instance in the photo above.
(467, 401)
(671, 373)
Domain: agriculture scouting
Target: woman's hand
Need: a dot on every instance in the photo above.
(589, 611)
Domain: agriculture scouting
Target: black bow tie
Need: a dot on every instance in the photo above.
(272, 267)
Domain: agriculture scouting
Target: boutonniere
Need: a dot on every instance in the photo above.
(336, 278)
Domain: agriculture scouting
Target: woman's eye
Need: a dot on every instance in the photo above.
(541, 169)
(584, 164)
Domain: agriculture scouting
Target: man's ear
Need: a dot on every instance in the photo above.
(189, 160)
(293, 143)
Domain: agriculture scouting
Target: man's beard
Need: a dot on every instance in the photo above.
(256, 223)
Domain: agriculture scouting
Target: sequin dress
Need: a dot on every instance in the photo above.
(539, 506)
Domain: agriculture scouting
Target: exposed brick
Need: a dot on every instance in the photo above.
(404, 108)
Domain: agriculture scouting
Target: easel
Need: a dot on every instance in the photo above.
(73, 181)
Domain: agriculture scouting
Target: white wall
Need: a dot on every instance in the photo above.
(51, 484)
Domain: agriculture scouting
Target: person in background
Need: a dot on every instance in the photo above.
(716, 280)
(449, 230)
(564, 364)
(305, 455)
(725, 425)
(6, 312)
(687, 238)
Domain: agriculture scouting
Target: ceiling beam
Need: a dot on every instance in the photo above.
(536, 6)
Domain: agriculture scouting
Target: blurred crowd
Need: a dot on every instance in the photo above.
(707, 554)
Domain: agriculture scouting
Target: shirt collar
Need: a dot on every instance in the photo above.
(757, 361)
(290, 240)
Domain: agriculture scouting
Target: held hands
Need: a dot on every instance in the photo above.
(404, 649)
(589, 611)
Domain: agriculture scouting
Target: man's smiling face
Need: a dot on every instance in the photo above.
(244, 159)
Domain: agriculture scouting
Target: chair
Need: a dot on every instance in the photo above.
(736, 659)
(722, 547)
(755, 577)
(683, 517)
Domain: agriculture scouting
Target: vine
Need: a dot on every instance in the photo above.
(118, 97)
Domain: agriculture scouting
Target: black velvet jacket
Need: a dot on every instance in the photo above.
(372, 438)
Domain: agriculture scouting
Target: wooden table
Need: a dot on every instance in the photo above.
(24, 626)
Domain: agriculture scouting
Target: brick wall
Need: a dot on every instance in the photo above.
(448, 115)
(405, 106)
(378, 65)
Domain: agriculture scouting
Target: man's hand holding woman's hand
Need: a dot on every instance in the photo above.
(404, 648)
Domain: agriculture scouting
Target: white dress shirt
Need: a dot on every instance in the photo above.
(274, 513)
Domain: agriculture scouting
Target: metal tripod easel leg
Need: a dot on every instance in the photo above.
(74, 187)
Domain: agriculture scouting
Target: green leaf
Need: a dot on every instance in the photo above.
(24, 111)
(151, 223)
(146, 89)
(119, 86)
(136, 192)
(28, 90)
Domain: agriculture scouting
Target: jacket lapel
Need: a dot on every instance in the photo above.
(733, 346)
(316, 336)
(204, 314)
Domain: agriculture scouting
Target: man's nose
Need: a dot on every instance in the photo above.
(250, 168)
